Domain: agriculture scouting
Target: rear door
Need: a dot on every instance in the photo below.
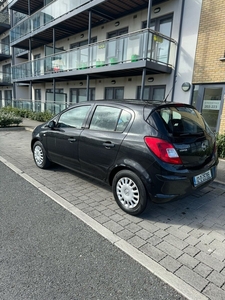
(100, 143)
(189, 133)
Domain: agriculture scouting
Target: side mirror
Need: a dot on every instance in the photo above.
(52, 124)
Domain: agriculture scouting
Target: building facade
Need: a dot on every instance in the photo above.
(6, 86)
(64, 53)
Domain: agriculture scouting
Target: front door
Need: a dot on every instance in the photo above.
(116, 47)
(209, 101)
(63, 139)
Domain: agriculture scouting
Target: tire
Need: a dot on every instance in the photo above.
(129, 192)
(40, 157)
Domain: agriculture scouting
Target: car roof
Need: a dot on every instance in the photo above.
(136, 104)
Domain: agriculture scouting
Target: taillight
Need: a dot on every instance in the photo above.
(163, 150)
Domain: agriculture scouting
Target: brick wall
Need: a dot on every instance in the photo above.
(211, 44)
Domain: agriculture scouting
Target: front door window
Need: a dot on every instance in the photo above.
(209, 101)
(160, 46)
(116, 47)
(211, 106)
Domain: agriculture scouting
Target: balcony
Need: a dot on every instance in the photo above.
(69, 18)
(4, 22)
(5, 78)
(125, 55)
(44, 16)
(5, 52)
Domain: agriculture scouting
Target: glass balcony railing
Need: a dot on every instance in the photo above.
(140, 45)
(5, 49)
(4, 18)
(44, 16)
(18, 51)
(5, 77)
(37, 105)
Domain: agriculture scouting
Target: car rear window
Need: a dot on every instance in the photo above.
(183, 120)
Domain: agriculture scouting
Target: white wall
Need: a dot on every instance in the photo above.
(186, 56)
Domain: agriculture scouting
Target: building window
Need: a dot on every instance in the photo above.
(208, 99)
(162, 24)
(37, 65)
(37, 98)
(57, 104)
(80, 95)
(5, 46)
(7, 73)
(116, 48)
(8, 97)
(114, 93)
(160, 47)
(152, 93)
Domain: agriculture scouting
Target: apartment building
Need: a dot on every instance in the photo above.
(5, 55)
(67, 51)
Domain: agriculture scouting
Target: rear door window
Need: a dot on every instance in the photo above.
(108, 118)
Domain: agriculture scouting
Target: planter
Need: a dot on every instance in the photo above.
(134, 57)
(113, 61)
(100, 63)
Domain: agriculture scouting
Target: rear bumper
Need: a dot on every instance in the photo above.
(171, 187)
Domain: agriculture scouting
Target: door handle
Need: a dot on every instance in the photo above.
(108, 145)
(71, 140)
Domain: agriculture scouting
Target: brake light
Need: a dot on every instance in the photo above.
(163, 150)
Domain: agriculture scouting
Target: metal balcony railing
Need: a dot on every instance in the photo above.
(44, 16)
(140, 45)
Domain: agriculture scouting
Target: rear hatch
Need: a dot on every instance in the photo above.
(188, 132)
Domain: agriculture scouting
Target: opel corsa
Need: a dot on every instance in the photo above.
(155, 150)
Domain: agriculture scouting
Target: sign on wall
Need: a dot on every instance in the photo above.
(211, 104)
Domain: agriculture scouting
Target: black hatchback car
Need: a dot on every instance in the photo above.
(154, 150)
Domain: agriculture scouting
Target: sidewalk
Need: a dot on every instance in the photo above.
(220, 179)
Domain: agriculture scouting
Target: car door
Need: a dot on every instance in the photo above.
(100, 143)
(63, 139)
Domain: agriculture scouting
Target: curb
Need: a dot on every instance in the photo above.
(12, 128)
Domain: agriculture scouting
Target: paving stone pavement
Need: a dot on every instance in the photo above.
(186, 237)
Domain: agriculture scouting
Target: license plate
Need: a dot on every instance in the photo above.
(201, 178)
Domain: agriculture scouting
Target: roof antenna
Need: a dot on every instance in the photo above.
(168, 94)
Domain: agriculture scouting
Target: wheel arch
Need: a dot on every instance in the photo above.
(134, 167)
(33, 142)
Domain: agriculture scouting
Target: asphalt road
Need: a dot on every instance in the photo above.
(47, 253)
